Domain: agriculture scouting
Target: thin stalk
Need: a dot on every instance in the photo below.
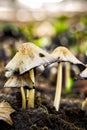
(67, 75)
(31, 92)
(23, 98)
(27, 94)
(31, 98)
(58, 87)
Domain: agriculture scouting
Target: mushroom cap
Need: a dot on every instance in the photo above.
(28, 57)
(19, 81)
(63, 54)
(83, 74)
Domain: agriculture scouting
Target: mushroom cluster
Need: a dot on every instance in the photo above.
(20, 70)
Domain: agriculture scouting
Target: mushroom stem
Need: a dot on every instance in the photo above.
(23, 98)
(58, 87)
(31, 92)
(31, 98)
(67, 75)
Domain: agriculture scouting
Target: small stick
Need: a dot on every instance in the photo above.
(58, 87)
(23, 98)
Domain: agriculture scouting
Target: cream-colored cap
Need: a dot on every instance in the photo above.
(19, 81)
(28, 57)
(83, 74)
(63, 54)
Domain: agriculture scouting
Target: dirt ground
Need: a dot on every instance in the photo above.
(44, 116)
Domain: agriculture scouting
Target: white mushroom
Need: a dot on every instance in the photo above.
(63, 55)
(28, 57)
(83, 74)
(19, 81)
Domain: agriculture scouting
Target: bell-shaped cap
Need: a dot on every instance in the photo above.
(19, 81)
(28, 57)
(63, 54)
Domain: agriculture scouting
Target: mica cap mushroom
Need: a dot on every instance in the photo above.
(62, 54)
(28, 56)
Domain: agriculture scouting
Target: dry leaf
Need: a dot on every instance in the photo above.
(5, 111)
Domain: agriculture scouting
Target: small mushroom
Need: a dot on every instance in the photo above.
(62, 54)
(28, 57)
(83, 74)
(20, 80)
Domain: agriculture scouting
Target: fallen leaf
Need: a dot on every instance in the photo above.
(5, 111)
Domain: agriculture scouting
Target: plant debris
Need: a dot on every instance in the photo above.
(5, 111)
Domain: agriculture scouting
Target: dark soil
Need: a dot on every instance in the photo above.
(44, 116)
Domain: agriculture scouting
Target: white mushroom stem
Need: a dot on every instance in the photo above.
(58, 87)
(67, 75)
(23, 98)
(31, 92)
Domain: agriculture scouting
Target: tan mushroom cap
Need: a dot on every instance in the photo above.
(28, 57)
(83, 74)
(19, 81)
(63, 54)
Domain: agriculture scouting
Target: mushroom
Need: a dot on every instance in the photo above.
(63, 55)
(20, 80)
(83, 74)
(28, 57)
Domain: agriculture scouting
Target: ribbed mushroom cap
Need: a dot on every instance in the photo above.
(83, 74)
(19, 81)
(28, 57)
(63, 54)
